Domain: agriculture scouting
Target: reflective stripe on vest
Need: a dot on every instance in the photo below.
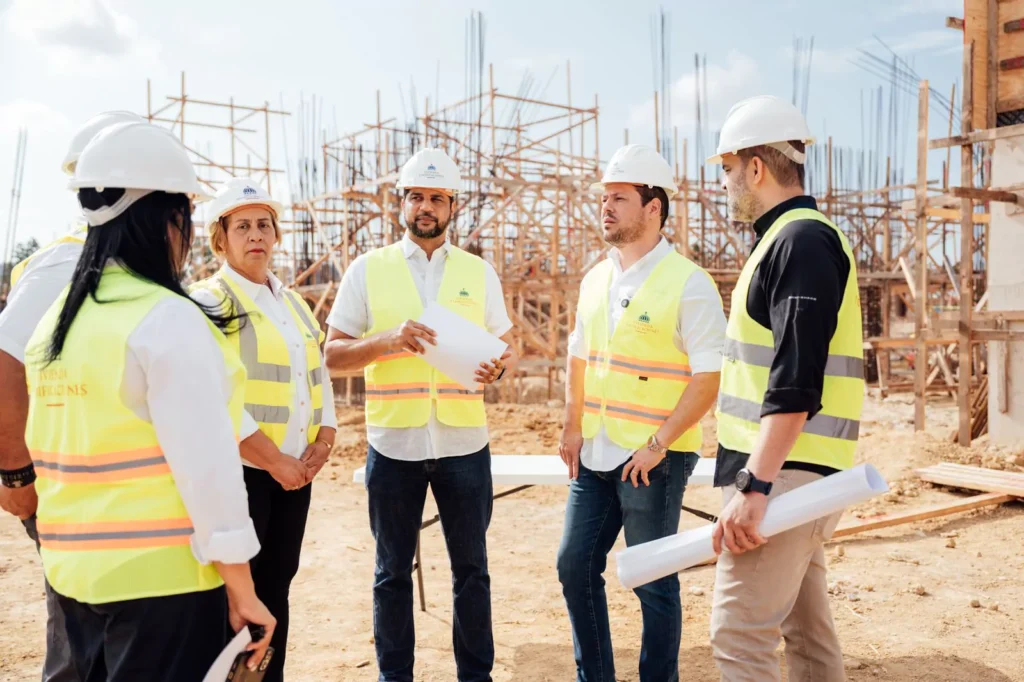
(401, 386)
(270, 388)
(829, 438)
(112, 524)
(635, 378)
(114, 466)
(115, 534)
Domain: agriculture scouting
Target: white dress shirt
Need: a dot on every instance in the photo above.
(699, 332)
(44, 277)
(271, 302)
(175, 378)
(351, 315)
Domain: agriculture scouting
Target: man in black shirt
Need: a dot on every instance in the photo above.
(789, 404)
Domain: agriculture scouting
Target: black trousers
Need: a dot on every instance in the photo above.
(158, 639)
(279, 516)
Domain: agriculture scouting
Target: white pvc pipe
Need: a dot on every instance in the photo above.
(644, 563)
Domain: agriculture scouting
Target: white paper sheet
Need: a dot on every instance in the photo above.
(461, 345)
(222, 666)
(644, 563)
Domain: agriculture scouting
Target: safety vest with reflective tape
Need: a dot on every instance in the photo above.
(400, 387)
(270, 382)
(112, 525)
(830, 437)
(635, 379)
(75, 237)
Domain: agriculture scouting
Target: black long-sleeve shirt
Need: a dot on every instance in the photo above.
(796, 292)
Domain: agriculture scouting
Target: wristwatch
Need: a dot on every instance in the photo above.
(654, 446)
(747, 482)
(18, 478)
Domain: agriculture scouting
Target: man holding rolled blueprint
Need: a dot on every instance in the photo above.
(789, 405)
(423, 428)
(644, 365)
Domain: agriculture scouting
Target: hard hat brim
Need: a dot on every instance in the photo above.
(717, 158)
(599, 187)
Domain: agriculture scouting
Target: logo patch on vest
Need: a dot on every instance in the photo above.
(54, 386)
(464, 298)
(642, 324)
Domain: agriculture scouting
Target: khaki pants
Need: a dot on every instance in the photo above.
(778, 589)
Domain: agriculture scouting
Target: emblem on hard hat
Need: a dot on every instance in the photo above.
(431, 167)
(249, 192)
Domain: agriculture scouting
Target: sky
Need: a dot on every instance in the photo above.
(66, 60)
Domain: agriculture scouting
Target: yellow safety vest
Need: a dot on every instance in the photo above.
(635, 379)
(75, 237)
(830, 437)
(270, 383)
(400, 387)
(112, 524)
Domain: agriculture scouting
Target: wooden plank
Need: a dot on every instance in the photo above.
(990, 135)
(953, 214)
(980, 194)
(966, 248)
(955, 22)
(974, 478)
(1009, 84)
(925, 513)
(976, 31)
(921, 248)
(991, 74)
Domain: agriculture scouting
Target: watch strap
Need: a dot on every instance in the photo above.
(18, 478)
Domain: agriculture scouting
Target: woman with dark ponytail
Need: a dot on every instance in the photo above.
(135, 406)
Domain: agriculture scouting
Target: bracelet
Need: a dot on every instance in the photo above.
(500, 374)
(18, 478)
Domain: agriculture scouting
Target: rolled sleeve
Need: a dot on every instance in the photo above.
(249, 425)
(496, 317)
(701, 324)
(187, 395)
(350, 312)
(577, 345)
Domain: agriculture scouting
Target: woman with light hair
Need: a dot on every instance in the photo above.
(289, 425)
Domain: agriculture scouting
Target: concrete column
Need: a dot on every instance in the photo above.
(1006, 292)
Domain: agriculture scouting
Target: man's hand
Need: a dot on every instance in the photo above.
(569, 447)
(289, 472)
(740, 522)
(408, 335)
(489, 372)
(20, 502)
(641, 462)
(314, 458)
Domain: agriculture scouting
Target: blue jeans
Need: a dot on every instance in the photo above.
(599, 505)
(463, 492)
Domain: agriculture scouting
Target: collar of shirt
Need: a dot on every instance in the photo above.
(650, 259)
(762, 224)
(411, 248)
(251, 289)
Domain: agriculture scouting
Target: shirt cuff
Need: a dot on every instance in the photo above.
(708, 361)
(227, 547)
(344, 328)
(790, 401)
(502, 330)
(13, 348)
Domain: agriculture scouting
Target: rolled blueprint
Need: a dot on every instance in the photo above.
(649, 561)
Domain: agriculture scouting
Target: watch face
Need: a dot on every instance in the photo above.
(742, 480)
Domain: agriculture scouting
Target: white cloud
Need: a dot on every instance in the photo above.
(78, 34)
(35, 116)
(726, 83)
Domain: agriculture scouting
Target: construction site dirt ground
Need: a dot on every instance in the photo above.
(937, 600)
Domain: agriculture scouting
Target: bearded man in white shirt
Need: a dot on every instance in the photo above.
(423, 428)
(645, 358)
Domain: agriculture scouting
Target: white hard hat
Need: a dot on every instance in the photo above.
(432, 168)
(89, 130)
(237, 193)
(763, 120)
(137, 156)
(638, 164)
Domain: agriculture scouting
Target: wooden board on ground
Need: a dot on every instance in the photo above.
(974, 478)
(924, 513)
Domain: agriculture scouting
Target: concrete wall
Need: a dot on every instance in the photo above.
(1006, 292)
